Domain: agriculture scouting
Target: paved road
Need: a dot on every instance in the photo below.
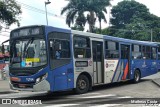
(111, 95)
(102, 96)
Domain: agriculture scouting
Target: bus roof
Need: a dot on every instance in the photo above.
(87, 34)
(112, 38)
(130, 41)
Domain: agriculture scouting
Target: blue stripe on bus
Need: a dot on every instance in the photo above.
(116, 71)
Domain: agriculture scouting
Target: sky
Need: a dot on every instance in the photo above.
(31, 14)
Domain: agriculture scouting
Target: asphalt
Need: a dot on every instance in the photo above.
(5, 89)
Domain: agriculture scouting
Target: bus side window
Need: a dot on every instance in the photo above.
(146, 52)
(153, 55)
(59, 49)
(82, 47)
(111, 49)
(136, 52)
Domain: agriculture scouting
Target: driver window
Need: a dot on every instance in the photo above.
(59, 49)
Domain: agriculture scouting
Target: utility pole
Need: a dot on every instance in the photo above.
(151, 35)
(46, 3)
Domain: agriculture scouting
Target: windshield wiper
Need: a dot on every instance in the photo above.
(25, 48)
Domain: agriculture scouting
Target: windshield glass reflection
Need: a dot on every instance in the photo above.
(28, 53)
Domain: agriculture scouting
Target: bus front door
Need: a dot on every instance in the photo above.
(97, 50)
(125, 61)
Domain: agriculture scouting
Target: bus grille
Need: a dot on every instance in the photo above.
(22, 85)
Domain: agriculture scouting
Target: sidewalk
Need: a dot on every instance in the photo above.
(4, 87)
(154, 78)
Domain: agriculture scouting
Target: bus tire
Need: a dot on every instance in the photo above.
(82, 84)
(137, 76)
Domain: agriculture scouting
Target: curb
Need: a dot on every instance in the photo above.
(7, 92)
(157, 82)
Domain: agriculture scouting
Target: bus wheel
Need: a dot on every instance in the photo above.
(137, 76)
(82, 84)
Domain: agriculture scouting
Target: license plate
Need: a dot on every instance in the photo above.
(22, 85)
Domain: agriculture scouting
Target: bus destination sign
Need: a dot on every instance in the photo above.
(26, 32)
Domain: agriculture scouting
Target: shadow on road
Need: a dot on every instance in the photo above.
(117, 84)
(65, 94)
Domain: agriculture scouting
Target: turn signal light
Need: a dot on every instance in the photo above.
(15, 79)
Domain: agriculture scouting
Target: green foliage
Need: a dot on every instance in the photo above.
(77, 27)
(132, 20)
(80, 23)
(124, 12)
(9, 11)
(76, 9)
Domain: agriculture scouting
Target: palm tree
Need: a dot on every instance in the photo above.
(80, 22)
(99, 7)
(76, 8)
(101, 17)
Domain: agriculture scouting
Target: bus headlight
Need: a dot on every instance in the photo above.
(39, 79)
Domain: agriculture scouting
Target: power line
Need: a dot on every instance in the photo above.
(6, 28)
(5, 31)
(26, 6)
(4, 35)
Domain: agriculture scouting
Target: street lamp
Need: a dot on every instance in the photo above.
(46, 3)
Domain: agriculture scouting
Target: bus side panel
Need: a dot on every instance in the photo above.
(152, 67)
(158, 65)
(70, 71)
(116, 70)
(138, 64)
(111, 66)
(146, 67)
(124, 71)
(63, 77)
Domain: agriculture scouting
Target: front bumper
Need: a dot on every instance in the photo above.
(41, 86)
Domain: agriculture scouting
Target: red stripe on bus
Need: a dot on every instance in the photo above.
(125, 72)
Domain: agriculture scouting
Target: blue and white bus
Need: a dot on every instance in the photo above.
(45, 58)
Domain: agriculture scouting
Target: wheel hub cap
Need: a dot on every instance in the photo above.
(82, 84)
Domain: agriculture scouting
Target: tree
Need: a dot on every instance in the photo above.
(101, 15)
(80, 23)
(93, 8)
(132, 20)
(124, 12)
(9, 11)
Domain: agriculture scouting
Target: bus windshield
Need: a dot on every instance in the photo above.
(29, 52)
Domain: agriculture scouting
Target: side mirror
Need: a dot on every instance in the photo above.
(3, 49)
